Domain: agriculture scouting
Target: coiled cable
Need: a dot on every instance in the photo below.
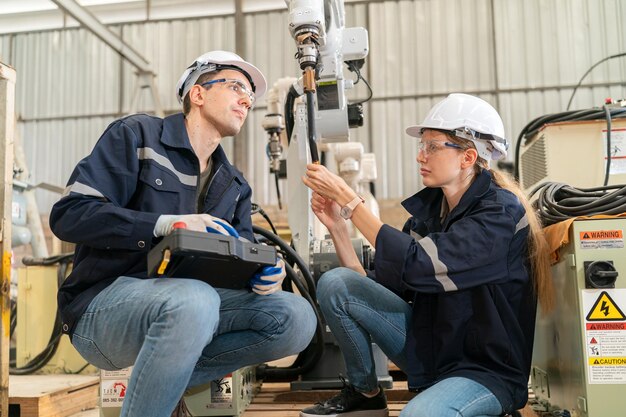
(557, 202)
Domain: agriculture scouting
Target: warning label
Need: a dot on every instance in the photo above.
(222, 392)
(605, 336)
(618, 150)
(606, 326)
(605, 309)
(602, 239)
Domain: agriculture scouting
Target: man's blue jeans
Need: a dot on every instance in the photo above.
(180, 333)
(359, 311)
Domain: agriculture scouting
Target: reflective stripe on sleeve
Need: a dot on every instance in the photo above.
(416, 236)
(441, 270)
(151, 154)
(521, 224)
(83, 189)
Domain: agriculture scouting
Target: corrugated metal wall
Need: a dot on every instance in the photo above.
(524, 56)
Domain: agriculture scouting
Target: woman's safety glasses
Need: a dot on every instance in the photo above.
(433, 146)
(235, 85)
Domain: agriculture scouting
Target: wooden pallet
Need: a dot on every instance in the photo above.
(51, 395)
(276, 400)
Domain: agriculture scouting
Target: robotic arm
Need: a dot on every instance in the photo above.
(323, 44)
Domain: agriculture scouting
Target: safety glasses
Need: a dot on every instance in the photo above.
(235, 85)
(433, 146)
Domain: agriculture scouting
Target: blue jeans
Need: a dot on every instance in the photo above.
(360, 311)
(179, 333)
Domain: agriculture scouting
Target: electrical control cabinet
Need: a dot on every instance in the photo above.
(579, 358)
(573, 153)
(36, 312)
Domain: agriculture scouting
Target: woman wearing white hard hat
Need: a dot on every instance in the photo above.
(453, 296)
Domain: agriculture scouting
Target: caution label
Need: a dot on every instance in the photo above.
(602, 239)
(607, 361)
(605, 309)
(605, 335)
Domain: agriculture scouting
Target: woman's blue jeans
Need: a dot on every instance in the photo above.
(179, 333)
(360, 311)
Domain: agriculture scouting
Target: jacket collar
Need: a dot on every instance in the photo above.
(175, 132)
(426, 204)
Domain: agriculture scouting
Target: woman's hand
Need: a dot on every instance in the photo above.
(319, 179)
(327, 211)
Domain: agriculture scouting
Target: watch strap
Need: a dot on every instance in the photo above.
(355, 202)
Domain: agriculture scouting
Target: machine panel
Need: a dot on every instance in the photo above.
(579, 359)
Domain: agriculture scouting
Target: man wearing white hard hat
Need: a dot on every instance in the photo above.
(453, 295)
(144, 175)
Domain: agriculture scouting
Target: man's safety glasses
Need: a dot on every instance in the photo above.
(235, 85)
(432, 146)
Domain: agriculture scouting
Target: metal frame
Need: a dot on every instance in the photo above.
(144, 70)
(7, 130)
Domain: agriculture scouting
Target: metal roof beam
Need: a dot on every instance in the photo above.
(90, 22)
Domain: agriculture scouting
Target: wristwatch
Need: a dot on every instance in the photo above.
(346, 211)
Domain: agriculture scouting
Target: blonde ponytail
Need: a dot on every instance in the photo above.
(538, 250)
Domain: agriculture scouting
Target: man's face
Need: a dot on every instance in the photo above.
(226, 106)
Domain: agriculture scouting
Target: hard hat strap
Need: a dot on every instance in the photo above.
(469, 134)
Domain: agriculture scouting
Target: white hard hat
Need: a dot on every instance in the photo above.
(468, 117)
(217, 61)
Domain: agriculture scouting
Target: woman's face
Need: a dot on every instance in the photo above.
(440, 159)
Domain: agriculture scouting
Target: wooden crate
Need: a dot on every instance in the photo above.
(51, 395)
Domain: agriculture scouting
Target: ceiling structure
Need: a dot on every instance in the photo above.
(34, 15)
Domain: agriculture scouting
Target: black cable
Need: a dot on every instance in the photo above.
(52, 260)
(569, 103)
(280, 204)
(557, 202)
(256, 209)
(305, 361)
(352, 67)
(311, 127)
(607, 112)
(292, 257)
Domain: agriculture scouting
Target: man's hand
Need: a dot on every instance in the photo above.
(269, 279)
(198, 222)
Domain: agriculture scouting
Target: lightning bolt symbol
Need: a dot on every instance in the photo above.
(604, 308)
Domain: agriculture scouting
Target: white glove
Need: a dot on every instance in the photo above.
(198, 222)
(269, 279)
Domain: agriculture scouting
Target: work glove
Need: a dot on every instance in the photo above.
(197, 222)
(269, 279)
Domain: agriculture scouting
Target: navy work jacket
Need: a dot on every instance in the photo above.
(140, 168)
(473, 302)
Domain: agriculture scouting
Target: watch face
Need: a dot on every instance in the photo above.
(345, 212)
